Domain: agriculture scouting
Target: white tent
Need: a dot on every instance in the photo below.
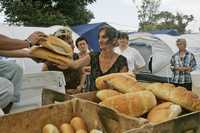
(21, 32)
(161, 47)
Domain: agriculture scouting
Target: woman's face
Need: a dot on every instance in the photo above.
(103, 41)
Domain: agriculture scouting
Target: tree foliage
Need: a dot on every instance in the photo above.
(155, 20)
(46, 12)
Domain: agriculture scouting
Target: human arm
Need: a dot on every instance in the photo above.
(7, 43)
(44, 67)
(192, 64)
(21, 53)
(124, 69)
(76, 64)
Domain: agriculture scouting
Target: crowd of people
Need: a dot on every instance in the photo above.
(115, 56)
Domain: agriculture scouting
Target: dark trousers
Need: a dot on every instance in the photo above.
(188, 86)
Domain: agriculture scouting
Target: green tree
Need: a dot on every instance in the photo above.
(146, 14)
(46, 12)
(155, 20)
(182, 21)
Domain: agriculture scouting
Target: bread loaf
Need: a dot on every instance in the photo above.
(123, 82)
(46, 54)
(66, 128)
(163, 112)
(95, 131)
(81, 131)
(100, 81)
(50, 128)
(106, 93)
(178, 95)
(58, 46)
(132, 104)
(77, 123)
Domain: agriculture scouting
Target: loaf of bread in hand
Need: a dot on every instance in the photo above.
(132, 104)
(106, 93)
(178, 95)
(43, 53)
(123, 82)
(163, 112)
(57, 45)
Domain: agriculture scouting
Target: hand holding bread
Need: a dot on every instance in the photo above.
(54, 50)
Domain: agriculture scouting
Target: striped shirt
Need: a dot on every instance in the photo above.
(187, 61)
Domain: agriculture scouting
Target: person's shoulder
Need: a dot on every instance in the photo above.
(189, 52)
(94, 54)
(133, 50)
(121, 57)
(175, 54)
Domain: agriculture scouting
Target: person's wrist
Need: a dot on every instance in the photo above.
(28, 42)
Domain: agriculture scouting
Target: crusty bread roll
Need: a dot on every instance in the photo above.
(106, 93)
(66, 128)
(123, 82)
(46, 54)
(50, 128)
(163, 112)
(96, 131)
(100, 81)
(178, 95)
(132, 104)
(58, 46)
(78, 123)
(81, 131)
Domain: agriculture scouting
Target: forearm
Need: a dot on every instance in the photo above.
(77, 64)
(14, 53)
(7, 43)
(83, 79)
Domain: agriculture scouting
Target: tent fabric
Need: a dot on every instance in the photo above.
(161, 53)
(163, 47)
(90, 32)
(21, 32)
(171, 32)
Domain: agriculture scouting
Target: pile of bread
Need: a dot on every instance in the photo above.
(158, 102)
(54, 50)
(76, 125)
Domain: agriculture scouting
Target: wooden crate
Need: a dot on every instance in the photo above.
(188, 123)
(94, 115)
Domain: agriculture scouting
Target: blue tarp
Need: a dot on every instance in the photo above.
(171, 32)
(90, 32)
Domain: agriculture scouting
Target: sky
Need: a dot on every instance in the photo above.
(122, 14)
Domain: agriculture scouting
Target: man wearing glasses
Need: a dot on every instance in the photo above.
(182, 63)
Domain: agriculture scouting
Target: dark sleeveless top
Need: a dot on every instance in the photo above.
(120, 63)
(72, 77)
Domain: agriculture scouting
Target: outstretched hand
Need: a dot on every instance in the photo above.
(37, 38)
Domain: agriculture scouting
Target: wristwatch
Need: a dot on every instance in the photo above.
(28, 42)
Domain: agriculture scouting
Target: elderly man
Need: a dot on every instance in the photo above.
(182, 63)
(10, 73)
